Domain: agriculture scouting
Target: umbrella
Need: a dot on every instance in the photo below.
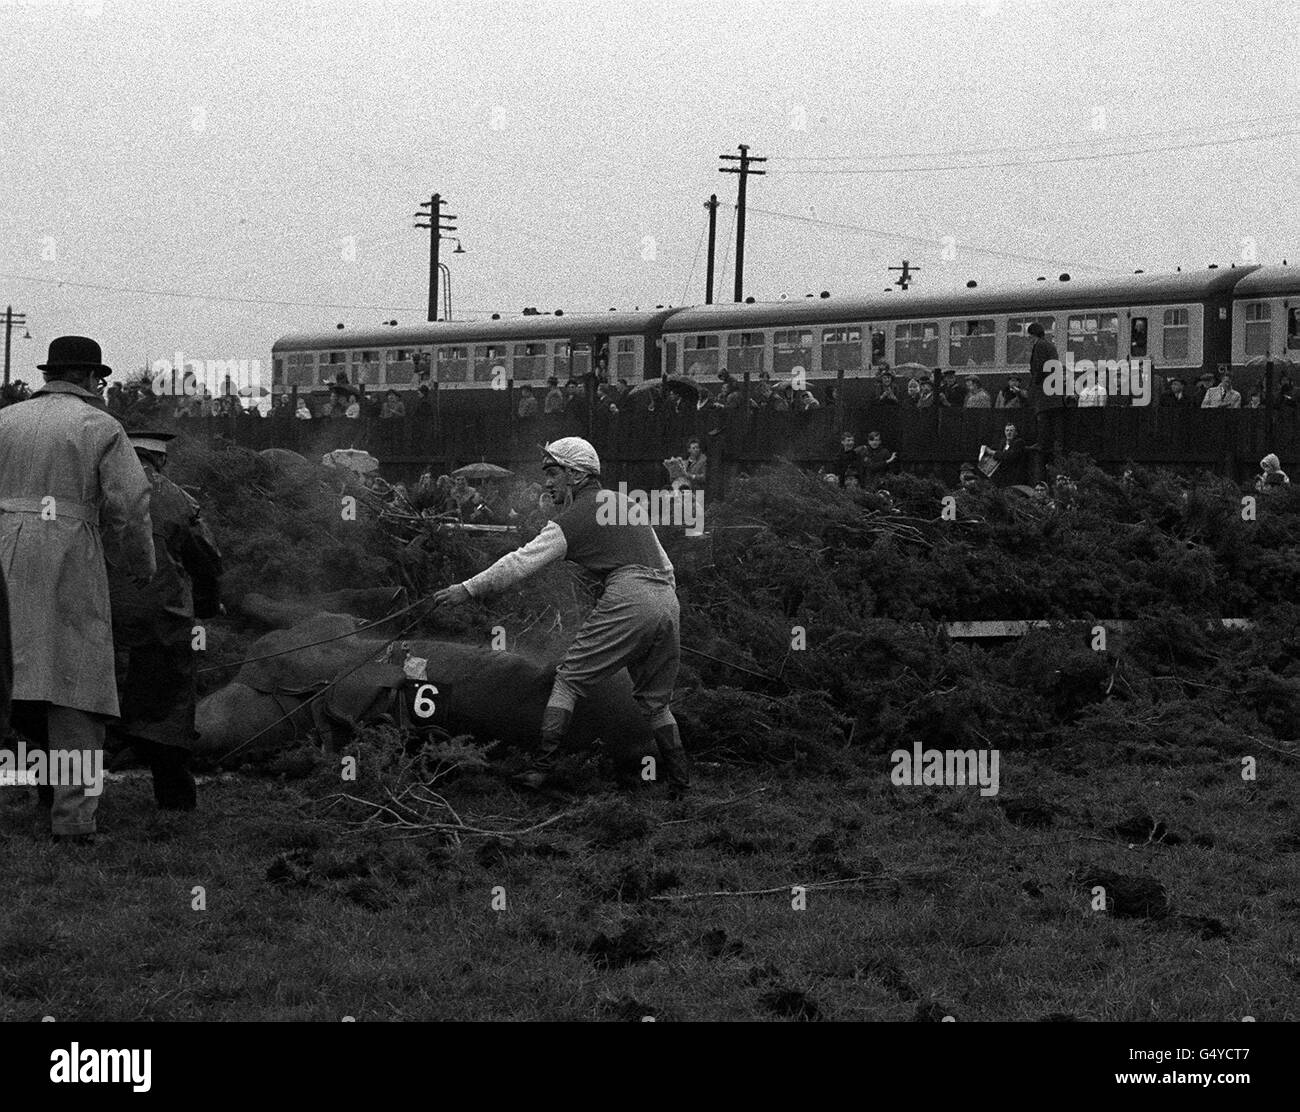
(1287, 358)
(911, 368)
(687, 387)
(352, 459)
(479, 471)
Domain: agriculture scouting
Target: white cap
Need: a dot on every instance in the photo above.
(574, 453)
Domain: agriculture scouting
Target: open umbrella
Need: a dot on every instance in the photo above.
(678, 384)
(479, 471)
(910, 370)
(352, 459)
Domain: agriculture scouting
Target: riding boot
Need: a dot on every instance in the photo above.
(174, 786)
(672, 759)
(555, 724)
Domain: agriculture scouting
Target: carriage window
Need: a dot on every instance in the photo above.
(365, 367)
(487, 356)
(789, 341)
(1020, 344)
(1174, 343)
(1137, 337)
(916, 342)
(877, 346)
(970, 343)
(792, 352)
(700, 356)
(277, 373)
(624, 359)
(745, 352)
(1293, 329)
(452, 365)
(1093, 336)
(529, 363)
(841, 350)
(1259, 319)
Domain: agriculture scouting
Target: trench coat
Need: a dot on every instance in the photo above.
(72, 493)
(153, 625)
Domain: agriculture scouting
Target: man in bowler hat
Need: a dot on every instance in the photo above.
(71, 494)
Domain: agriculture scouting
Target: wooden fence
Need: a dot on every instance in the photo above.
(633, 443)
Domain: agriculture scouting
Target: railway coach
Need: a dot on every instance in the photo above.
(1181, 321)
(482, 356)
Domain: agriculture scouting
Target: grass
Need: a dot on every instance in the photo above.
(964, 912)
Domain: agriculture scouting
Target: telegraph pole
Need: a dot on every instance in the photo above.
(436, 228)
(12, 320)
(712, 205)
(744, 170)
(904, 279)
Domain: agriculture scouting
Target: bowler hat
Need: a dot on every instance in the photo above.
(69, 353)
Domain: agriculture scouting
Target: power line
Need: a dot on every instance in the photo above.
(905, 238)
(204, 296)
(976, 151)
(698, 244)
(1051, 161)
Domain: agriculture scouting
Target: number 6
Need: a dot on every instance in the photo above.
(424, 705)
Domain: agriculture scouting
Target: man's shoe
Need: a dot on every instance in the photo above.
(675, 768)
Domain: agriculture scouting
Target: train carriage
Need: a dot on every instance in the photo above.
(483, 355)
(1180, 321)
(1266, 320)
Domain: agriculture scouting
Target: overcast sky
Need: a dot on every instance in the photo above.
(234, 149)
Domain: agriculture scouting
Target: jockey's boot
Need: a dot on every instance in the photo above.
(555, 724)
(673, 761)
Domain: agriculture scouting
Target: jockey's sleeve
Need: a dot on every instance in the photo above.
(548, 546)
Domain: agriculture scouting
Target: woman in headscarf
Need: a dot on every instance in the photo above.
(1272, 478)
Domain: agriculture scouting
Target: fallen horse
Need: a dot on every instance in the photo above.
(329, 689)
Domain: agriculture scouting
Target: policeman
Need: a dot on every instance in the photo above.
(153, 630)
(636, 622)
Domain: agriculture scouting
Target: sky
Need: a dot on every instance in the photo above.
(206, 177)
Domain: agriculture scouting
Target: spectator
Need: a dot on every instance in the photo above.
(465, 497)
(780, 401)
(527, 403)
(912, 396)
(554, 403)
(1012, 396)
(763, 391)
(1012, 459)
(851, 483)
(352, 411)
(877, 460)
(1222, 396)
(805, 399)
(1174, 396)
(1042, 353)
(393, 406)
(850, 460)
(976, 396)
(1284, 392)
(423, 407)
(970, 477)
(887, 395)
(1203, 387)
(303, 412)
(927, 398)
(951, 392)
(1093, 394)
(1256, 398)
(1272, 478)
